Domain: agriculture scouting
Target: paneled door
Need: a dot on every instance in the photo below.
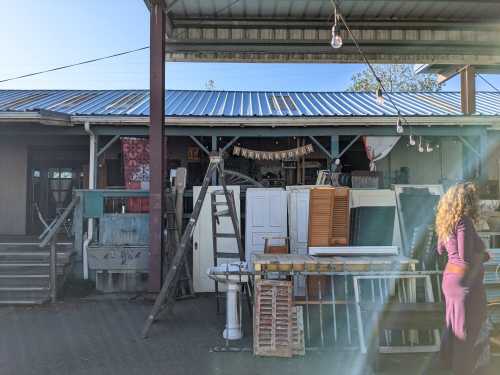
(203, 256)
(266, 216)
(298, 220)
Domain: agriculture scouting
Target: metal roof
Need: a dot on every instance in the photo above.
(435, 10)
(184, 103)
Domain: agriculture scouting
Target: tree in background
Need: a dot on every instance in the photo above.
(394, 78)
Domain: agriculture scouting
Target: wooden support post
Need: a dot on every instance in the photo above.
(214, 149)
(157, 142)
(53, 269)
(483, 159)
(468, 90)
(334, 149)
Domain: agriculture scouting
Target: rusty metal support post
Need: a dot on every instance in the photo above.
(468, 90)
(53, 269)
(157, 142)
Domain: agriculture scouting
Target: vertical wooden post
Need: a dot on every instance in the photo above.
(157, 142)
(483, 151)
(334, 150)
(214, 149)
(468, 90)
(53, 269)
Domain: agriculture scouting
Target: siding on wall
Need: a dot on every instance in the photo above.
(13, 185)
(426, 167)
(493, 156)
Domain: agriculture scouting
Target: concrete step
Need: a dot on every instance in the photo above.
(25, 280)
(23, 295)
(32, 246)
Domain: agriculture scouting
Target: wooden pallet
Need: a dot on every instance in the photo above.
(273, 319)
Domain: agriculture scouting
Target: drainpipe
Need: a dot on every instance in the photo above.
(92, 186)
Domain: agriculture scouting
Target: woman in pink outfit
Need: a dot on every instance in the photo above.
(465, 346)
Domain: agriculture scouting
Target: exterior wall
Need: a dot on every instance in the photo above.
(434, 167)
(14, 161)
(493, 162)
(13, 186)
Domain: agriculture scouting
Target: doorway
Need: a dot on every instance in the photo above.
(53, 174)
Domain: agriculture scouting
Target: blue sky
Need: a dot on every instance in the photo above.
(38, 35)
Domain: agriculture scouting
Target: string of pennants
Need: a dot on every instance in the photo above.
(273, 155)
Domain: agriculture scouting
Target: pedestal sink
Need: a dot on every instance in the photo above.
(233, 275)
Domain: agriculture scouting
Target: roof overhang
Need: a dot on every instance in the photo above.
(275, 122)
(445, 72)
(390, 31)
(42, 117)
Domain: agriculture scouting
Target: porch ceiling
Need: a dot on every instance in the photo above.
(389, 31)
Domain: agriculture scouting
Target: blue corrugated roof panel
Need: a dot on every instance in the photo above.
(243, 103)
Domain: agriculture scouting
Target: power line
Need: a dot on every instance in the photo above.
(488, 82)
(217, 12)
(75, 64)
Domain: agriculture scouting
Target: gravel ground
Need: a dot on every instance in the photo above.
(101, 336)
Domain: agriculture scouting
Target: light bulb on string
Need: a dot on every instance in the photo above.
(412, 140)
(379, 96)
(420, 147)
(429, 148)
(336, 42)
(337, 161)
(399, 126)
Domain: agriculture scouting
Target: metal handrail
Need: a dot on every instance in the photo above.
(51, 237)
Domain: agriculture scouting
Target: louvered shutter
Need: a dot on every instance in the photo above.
(340, 222)
(320, 216)
(329, 217)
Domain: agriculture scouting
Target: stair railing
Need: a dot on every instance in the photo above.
(51, 236)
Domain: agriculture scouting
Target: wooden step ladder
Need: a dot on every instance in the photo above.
(228, 210)
(166, 297)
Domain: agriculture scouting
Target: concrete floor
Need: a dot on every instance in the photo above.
(102, 337)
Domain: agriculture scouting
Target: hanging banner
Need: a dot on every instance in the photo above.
(378, 148)
(136, 171)
(293, 153)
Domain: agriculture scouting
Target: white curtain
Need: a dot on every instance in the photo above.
(378, 148)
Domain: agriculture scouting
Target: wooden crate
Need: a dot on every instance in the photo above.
(273, 318)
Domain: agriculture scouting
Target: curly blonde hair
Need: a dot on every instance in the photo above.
(460, 200)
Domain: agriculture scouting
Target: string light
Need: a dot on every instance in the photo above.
(399, 126)
(379, 96)
(337, 161)
(412, 141)
(429, 148)
(336, 38)
(380, 89)
(420, 147)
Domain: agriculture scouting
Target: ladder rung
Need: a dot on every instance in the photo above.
(222, 213)
(225, 235)
(219, 203)
(228, 255)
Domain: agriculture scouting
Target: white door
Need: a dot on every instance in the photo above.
(298, 219)
(266, 216)
(203, 257)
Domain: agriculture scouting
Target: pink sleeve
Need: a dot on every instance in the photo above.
(466, 240)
